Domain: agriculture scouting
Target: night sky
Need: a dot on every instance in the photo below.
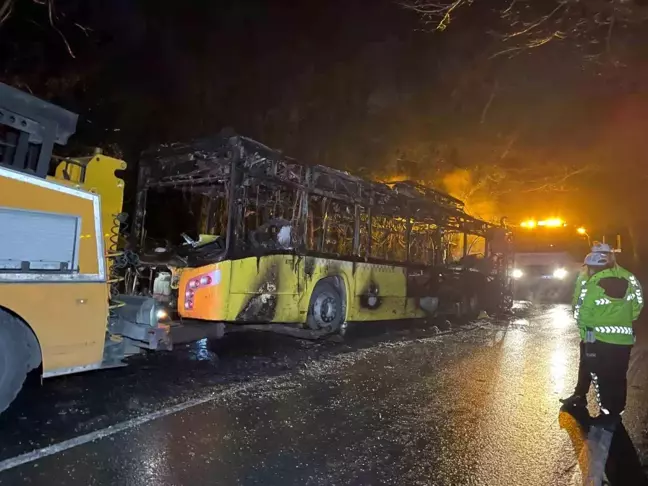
(362, 85)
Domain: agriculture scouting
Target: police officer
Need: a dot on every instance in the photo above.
(609, 299)
(579, 397)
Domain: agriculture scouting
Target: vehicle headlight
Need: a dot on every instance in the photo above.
(560, 273)
(161, 314)
(517, 273)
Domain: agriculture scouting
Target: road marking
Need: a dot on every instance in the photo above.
(321, 368)
(120, 427)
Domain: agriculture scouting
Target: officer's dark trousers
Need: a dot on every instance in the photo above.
(608, 366)
(584, 377)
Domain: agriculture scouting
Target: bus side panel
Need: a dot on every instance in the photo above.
(361, 280)
(266, 289)
(380, 294)
(277, 288)
(69, 320)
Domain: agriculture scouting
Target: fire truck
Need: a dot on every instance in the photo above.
(547, 257)
(59, 312)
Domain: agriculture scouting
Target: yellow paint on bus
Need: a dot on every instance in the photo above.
(373, 292)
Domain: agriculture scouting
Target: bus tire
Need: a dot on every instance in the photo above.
(17, 357)
(326, 309)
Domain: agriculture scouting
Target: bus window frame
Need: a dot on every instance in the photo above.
(263, 166)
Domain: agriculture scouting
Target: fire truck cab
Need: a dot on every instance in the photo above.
(547, 256)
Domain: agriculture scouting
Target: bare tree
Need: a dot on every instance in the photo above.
(528, 24)
(7, 10)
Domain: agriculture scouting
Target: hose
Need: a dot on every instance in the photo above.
(115, 261)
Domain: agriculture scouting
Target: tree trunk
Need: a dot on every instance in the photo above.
(634, 242)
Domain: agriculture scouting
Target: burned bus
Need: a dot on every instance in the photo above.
(242, 235)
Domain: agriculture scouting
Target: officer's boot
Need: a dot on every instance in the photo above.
(574, 401)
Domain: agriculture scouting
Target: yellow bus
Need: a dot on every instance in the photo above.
(269, 243)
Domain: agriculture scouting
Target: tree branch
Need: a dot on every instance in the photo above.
(52, 16)
(441, 10)
(537, 23)
(489, 103)
(5, 10)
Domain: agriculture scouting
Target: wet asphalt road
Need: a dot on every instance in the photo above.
(390, 405)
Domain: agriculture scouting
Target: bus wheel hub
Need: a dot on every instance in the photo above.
(327, 310)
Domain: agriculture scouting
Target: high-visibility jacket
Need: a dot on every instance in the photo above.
(582, 278)
(607, 303)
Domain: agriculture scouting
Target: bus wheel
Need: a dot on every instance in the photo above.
(326, 309)
(17, 357)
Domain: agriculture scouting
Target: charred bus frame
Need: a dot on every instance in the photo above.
(233, 168)
(331, 214)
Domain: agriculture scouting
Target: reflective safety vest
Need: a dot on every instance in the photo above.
(603, 317)
(582, 278)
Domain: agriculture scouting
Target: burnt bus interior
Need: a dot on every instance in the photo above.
(243, 193)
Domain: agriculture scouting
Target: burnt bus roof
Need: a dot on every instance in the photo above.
(202, 165)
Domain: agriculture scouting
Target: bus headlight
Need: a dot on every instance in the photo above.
(560, 273)
(517, 274)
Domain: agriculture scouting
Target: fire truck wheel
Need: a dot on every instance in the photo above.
(17, 357)
(326, 308)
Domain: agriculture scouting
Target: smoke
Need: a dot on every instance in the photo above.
(478, 193)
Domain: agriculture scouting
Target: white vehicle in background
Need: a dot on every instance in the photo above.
(547, 257)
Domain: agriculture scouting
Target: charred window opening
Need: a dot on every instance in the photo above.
(267, 218)
(458, 245)
(423, 243)
(340, 225)
(364, 232)
(315, 225)
(172, 212)
(389, 238)
(183, 199)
